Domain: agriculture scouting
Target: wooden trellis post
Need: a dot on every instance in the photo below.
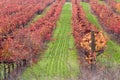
(92, 41)
(17, 67)
(93, 50)
(5, 71)
(9, 70)
(1, 69)
(24, 63)
(13, 66)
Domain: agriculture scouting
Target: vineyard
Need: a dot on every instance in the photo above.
(59, 39)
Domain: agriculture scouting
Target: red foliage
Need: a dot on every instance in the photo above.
(81, 26)
(16, 14)
(107, 17)
(82, 30)
(114, 5)
(25, 43)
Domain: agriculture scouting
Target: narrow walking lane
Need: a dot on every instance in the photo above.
(60, 59)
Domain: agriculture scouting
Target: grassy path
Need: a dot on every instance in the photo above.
(37, 16)
(111, 56)
(60, 59)
(118, 0)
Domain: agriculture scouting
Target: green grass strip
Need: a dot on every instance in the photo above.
(59, 62)
(117, 0)
(38, 16)
(111, 55)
